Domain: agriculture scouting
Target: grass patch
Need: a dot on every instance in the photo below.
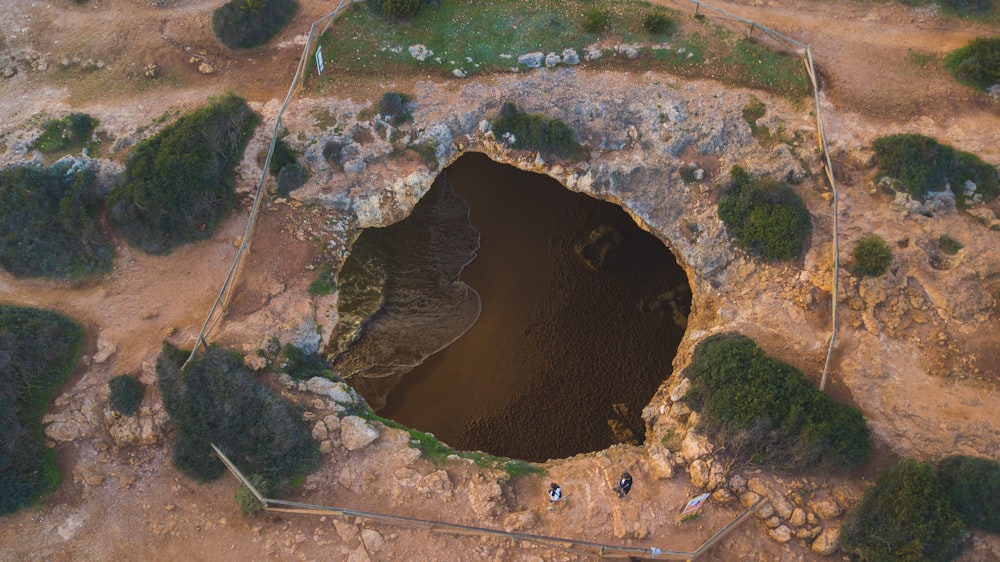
(218, 400)
(977, 63)
(73, 131)
(533, 132)
(921, 165)
(244, 24)
(179, 183)
(324, 284)
(302, 366)
(760, 408)
(49, 223)
(489, 36)
(37, 351)
(765, 217)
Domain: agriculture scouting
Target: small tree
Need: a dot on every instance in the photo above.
(125, 394)
(872, 256)
(657, 23)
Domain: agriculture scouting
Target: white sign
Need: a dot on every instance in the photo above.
(319, 59)
(694, 504)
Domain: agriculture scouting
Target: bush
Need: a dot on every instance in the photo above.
(657, 23)
(248, 503)
(243, 24)
(217, 400)
(967, 7)
(179, 183)
(38, 349)
(949, 245)
(872, 256)
(62, 134)
(400, 8)
(290, 178)
(534, 132)
(48, 223)
(921, 165)
(765, 217)
(596, 20)
(124, 394)
(973, 485)
(906, 516)
(977, 63)
(762, 409)
(301, 365)
(392, 107)
(282, 156)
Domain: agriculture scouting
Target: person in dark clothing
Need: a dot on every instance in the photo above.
(624, 485)
(555, 493)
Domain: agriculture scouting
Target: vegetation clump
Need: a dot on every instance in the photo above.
(217, 400)
(596, 20)
(977, 63)
(285, 167)
(246, 500)
(921, 165)
(124, 394)
(534, 132)
(392, 108)
(62, 134)
(764, 410)
(300, 365)
(48, 223)
(657, 23)
(906, 516)
(179, 183)
(973, 486)
(765, 217)
(37, 351)
(872, 256)
(244, 24)
(949, 245)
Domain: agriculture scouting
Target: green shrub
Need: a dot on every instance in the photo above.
(949, 245)
(973, 485)
(246, 500)
(765, 217)
(179, 183)
(301, 365)
(243, 24)
(400, 8)
(921, 165)
(61, 134)
(967, 7)
(290, 178)
(48, 223)
(124, 394)
(38, 349)
(392, 106)
(217, 400)
(282, 156)
(977, 63)
(596, 20)
(872, 256)
(905, 517)
(760, 408)
(657, 23)
(534, 132)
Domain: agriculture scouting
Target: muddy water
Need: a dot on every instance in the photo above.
(562, 358)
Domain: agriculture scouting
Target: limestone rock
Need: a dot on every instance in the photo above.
(798, 517)
(695, 446)
(722, 495)
(338, 391)
(520, 521)
(373, 540)
(552, 59)
(485, 496)
(680, 391)
(698, 471)
(420, 52)
(570, 56)
(437, 483)
(826, 542)
(105, 349)
(532, 60)
(356, 433)
(661, 464)
(205, 68)
(748, 498)
(825, 508)
(780, 534)
(772, 522)
(737, 483)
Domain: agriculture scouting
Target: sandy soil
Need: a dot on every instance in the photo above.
(865, 52)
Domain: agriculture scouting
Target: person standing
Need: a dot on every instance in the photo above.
(624, 485)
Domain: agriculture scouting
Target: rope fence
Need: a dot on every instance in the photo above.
(574, 546)
(803, 50)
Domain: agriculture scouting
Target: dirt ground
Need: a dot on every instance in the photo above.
(868, 55)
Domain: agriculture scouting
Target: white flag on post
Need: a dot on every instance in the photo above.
(319, 59)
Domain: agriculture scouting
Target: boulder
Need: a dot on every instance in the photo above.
(825, 508)
(356, 433)
(486, 497)
(661, 465)
(680, 391)
(373, 540)
(338, 391)
(699, 473)
(570, 56)
(532, 60)
(780, 534)
(552, 59)
(827, 541)
(695, 446)
(798, 517)
(420, 52)
(520, 521)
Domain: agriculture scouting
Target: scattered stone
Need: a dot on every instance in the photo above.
(105, 349)
(552, 59)
(780, 534)
(798, 517)
(570, 56)
(373, 540)
(152, 70)
(680, 391)
(722, 495)
(695, 446)
(698, 471)
(338, 391)
(420, 52)
(765, 511)
(749, 498)
(206, 68)
(825, 508)
(772, 522)
(593, 52)
(629, 50)
(531, 60)
(520, 521)
(826, 542)
(661, 462)
(737, 483)
(485, 496)
(459, 73)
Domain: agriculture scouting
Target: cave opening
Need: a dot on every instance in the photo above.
(510, 315)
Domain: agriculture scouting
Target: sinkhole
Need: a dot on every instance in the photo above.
(510, 315)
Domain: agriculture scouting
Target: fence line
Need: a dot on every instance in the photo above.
(222, 300)
(803, 50)
(575, 546)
